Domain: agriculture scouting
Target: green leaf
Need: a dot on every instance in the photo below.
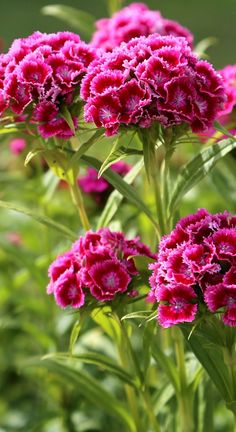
(39, 218)
(149, 156)
(211, 358)
(219, 127)
(141, 262)
(103, 362)
(75, 334)
(104, 318)
(118, 183)
(116, 197)
(114, 5)
(88, 387)
(195, 170)
(114, 156)
(74, 162)
(65, 113)
(58, 163)
(32, 154)
(166, 364)
(203, 45)
(79, 20)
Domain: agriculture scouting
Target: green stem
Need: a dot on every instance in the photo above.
(234, 424)
(149, 408)
(165, 170)
(143, 391)
(183, 397)
(79, 203)
(155, 182)
(130, 393)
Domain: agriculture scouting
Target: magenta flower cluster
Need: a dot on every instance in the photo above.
(196, 269)
(99, 188)
(40, 74)
(97, 266)
(133, 21)
(154, 78)
(228, 74)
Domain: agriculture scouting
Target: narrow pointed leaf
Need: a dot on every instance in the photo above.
(211, 358)
(198, 168)
(89, 388)
(32, 154)
(116, 197)
(39, 218)
(100, 360)
(104, 318)
(74, 162)
(203, 45)
(118, 183)
(114, 156)
(65, 113)
(167, 365)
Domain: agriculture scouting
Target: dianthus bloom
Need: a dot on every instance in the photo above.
(97, 266)
(133, 21)
(17, 145)
(99, 188)
(225, 116)
(40, 75)
(196, 266)
(228, 74)
(154, 78)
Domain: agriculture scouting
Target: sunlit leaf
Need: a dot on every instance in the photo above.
(114, 5)
(104, 318)
(202, 46)
(32, 154)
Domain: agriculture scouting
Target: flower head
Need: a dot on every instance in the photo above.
(154, 78)
(42, 73)
(17, 145)
(133, 21)
(97, 266)
(196, 265)
(228, 74)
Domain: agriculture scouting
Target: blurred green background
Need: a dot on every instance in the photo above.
(203, 17)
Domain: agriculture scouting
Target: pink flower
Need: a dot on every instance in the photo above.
(41, 74)
(59, 266)
(223, 296)
(225, 116)
(99, 188)
(47, 115)
(228, 74)
(68, 291)
(108, 278)
(133, 21)
(154, 78)
(97, 266)
(178, 306)
(17, 145)
(196, 265)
